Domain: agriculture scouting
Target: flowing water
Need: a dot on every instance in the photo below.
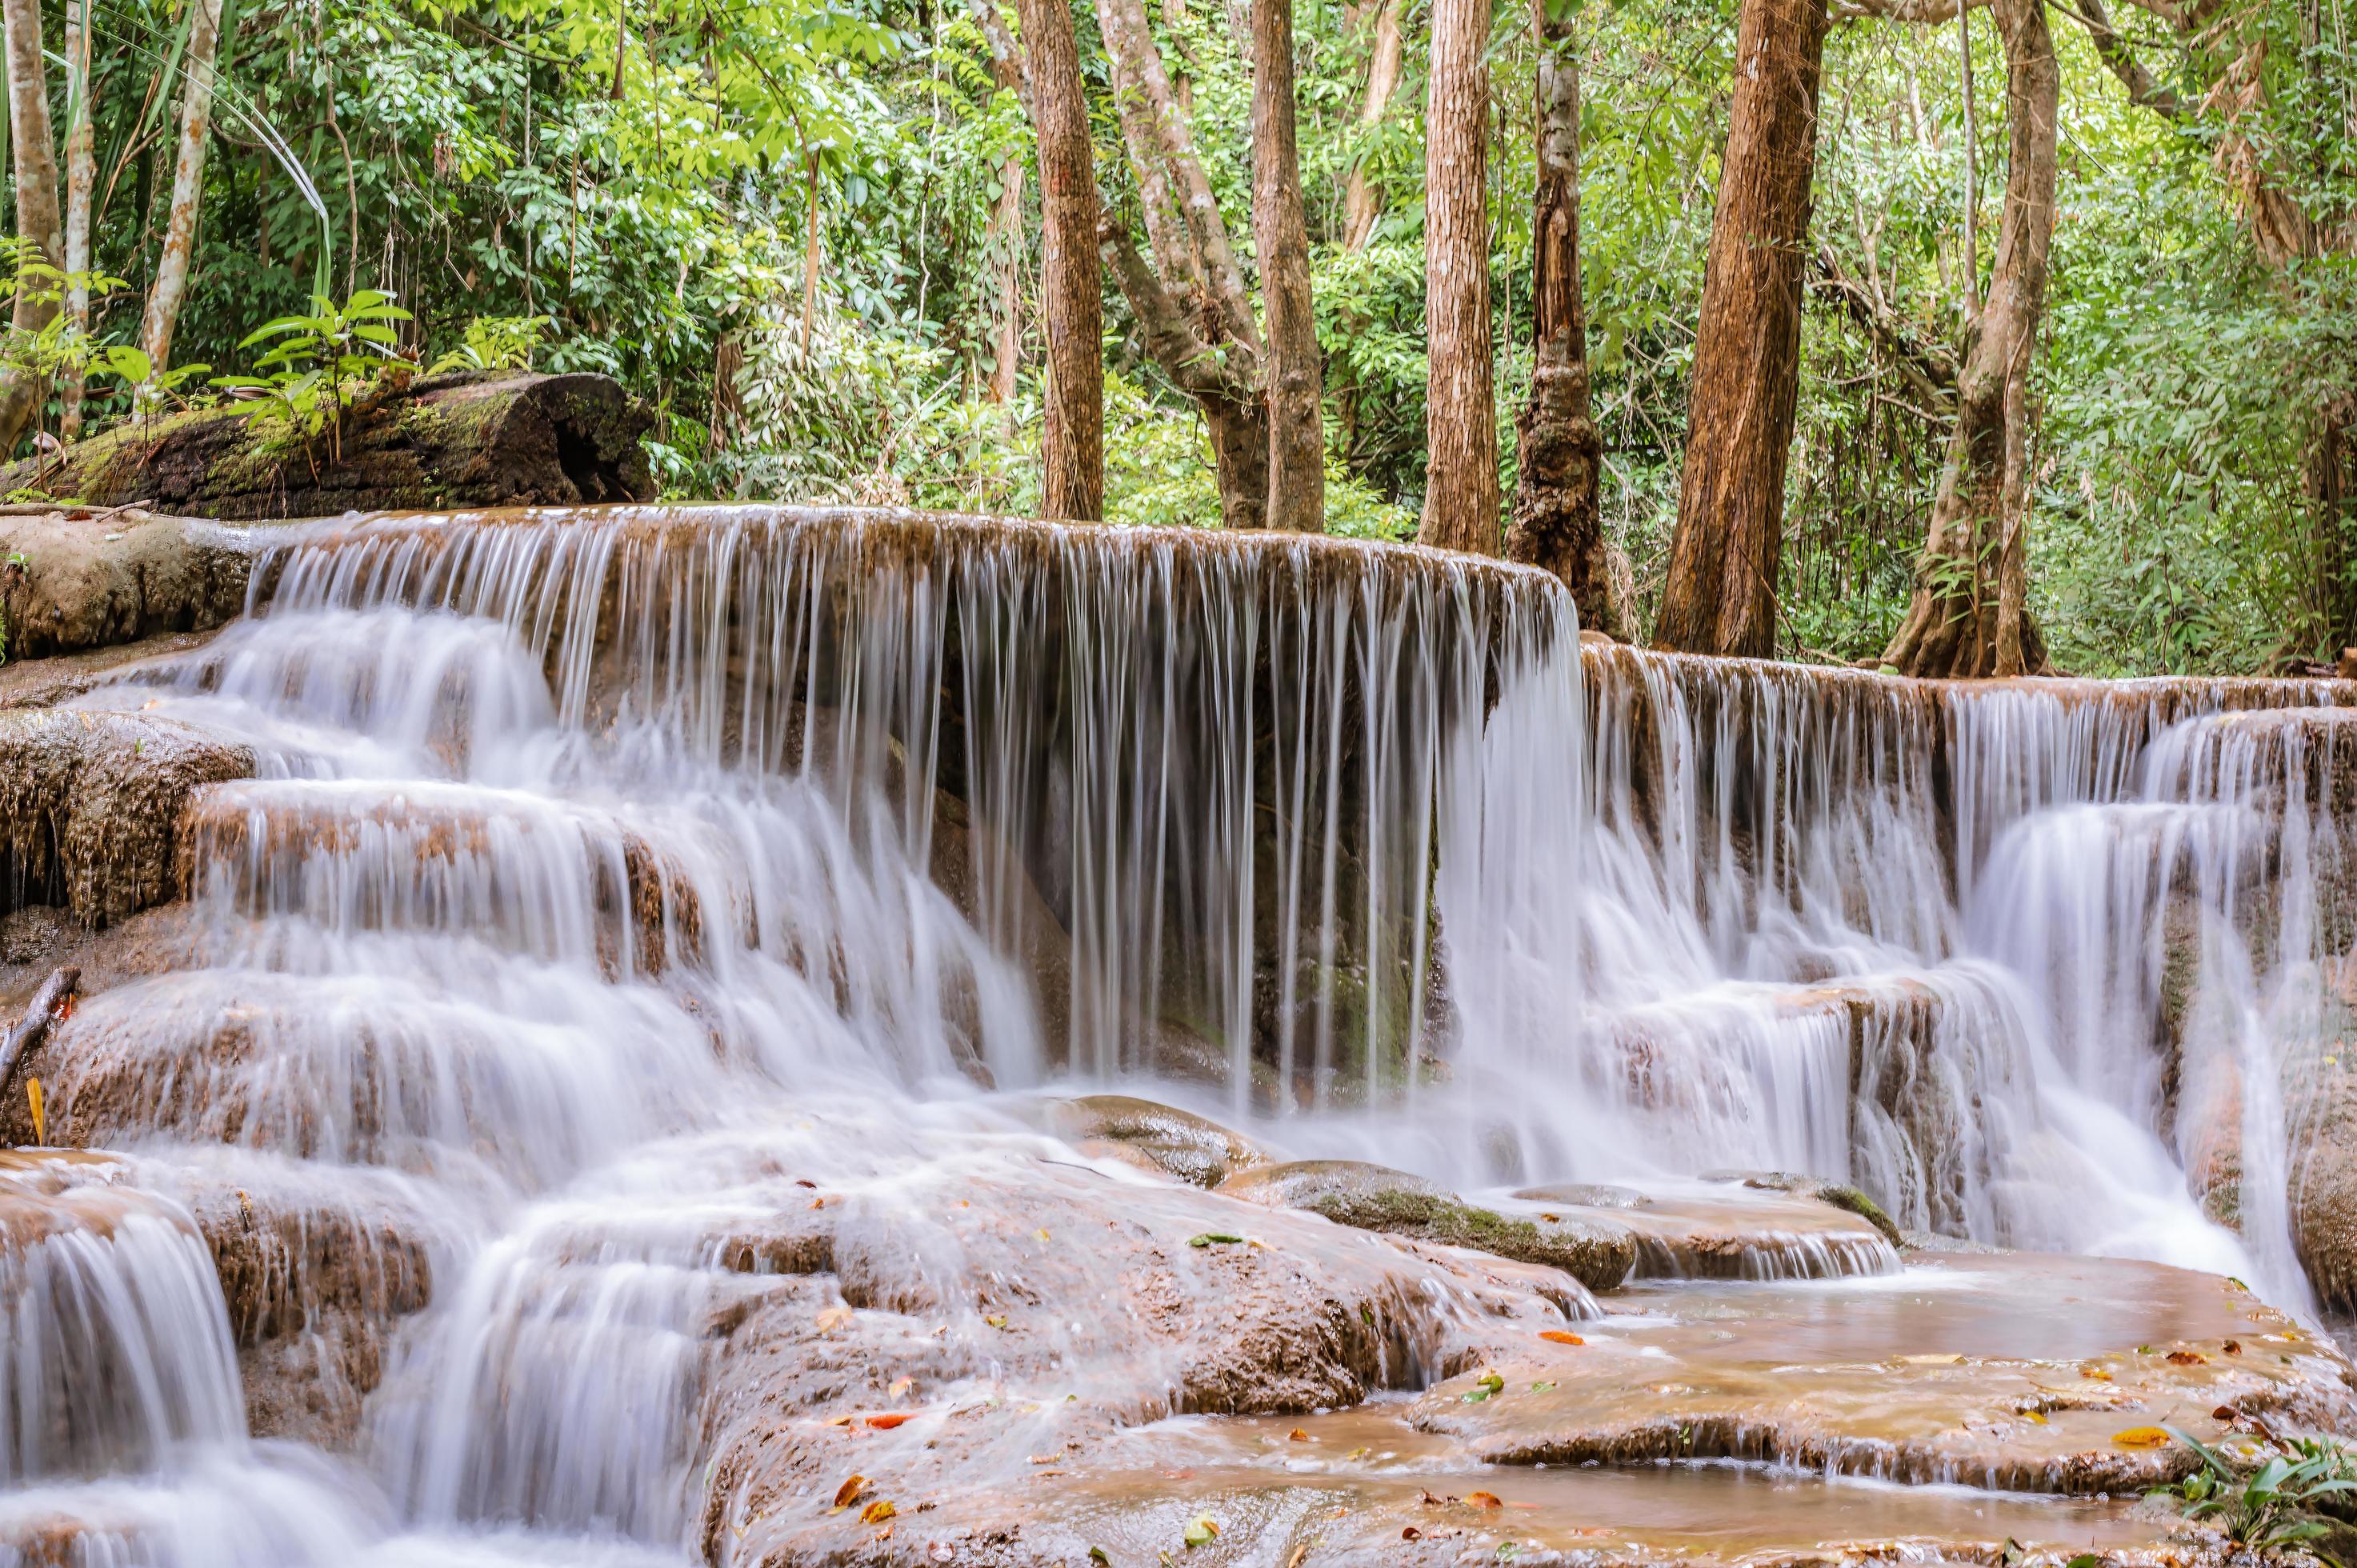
(612, 882)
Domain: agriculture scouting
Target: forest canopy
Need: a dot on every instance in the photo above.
(2067, 283)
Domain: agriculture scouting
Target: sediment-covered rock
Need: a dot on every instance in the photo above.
(1190, 1148)
(91, 806)
(1769, 1226)
(1591, 1249)
(77, 581)
(2040, 1374)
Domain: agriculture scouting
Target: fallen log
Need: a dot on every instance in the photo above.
(470, 439)
(34, 1027)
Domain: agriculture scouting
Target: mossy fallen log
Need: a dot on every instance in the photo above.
(464, 440)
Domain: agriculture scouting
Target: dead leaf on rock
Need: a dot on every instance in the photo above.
(1296, 1435)
(848, 1493)
(2232, 1346)
(2188, 1359)
(2143, 1437)
(878, 1511)
(833, 1319)
(1411, 1533)
(1484, 1500)
(886, 1423)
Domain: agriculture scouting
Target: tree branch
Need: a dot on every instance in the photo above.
(1196, 368)
(2115, 52)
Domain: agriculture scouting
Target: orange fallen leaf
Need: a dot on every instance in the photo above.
(878, 1511)
(1559, 1336)
(2188, 1359)
(2143, 1437)
(888, 1422)
(1411, 1533)
(1484, 1500)
(848, 1493)
(1296, 1435)
(1300, 1552)
(885, 1533)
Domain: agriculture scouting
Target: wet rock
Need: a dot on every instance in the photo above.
(2033, 1374)
(91, 806)
(2320, 1097)
(1191, 1148)
(104, 579)
(1593, 1251)
(317, 1265)
(1586, 1195)
(1838, 1193)
(1033, 1309)
(1750, 1232)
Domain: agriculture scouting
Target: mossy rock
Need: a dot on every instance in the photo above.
(1376, 1198)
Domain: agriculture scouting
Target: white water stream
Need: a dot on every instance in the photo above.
(594, 895)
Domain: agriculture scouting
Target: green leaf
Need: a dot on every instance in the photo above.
(1215, 1238)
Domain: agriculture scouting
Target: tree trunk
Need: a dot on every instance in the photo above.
(1720, 597)
(1556, 523)
(35, 162)
(1296, 422)
(466, 440)
(1461, 504)
(1194, 318)
(2330, 485)
(1361, 202)
(187, 187)
(1071, 301)
(1003, 240)
(1968, 616)
(81, 180)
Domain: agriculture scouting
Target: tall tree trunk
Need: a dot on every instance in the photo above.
(1194, 318)
(1297, 421)
(1003, 240)
(187, 187)
(1969, 616)
(1361, 202)
(81, 180)
(1720, 597)
(35, 162)
(1556, 523)
(1072, 298)
(1461, 503)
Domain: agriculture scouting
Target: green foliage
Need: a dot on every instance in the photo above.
(2278, 1505)
(496, 343)
(318, 365)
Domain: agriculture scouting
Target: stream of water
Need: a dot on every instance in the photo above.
(606, 878)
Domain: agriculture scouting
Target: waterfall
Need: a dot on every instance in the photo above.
(616, 886)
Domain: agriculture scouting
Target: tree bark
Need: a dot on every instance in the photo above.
(1194, 318)
(81, 180)
(1071, 297)
(1461, 504)
(466, 440)
(1556, 523)
(1003, 240)
(187, 187)
(36, 163)
(1969, 615)
(1296, 423)
(1363, 204)
(1720, 596)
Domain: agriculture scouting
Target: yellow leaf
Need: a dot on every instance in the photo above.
(1296, 1435)
(833, 1319)
(2143, 1437)
(1042, 1233)
(1559, 1336)
(878, 1511)
(848, 1493)
(40, 1120)
(901, 1385)
(996, 1320)
(2033, 1415)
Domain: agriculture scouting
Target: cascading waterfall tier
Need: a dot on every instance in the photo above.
(625, 964)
